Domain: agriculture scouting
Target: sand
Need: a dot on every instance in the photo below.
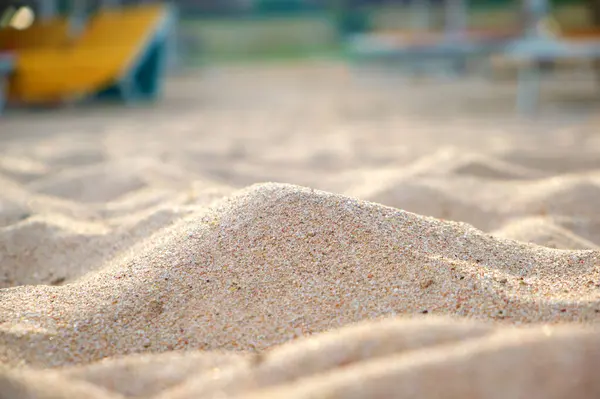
(293, 232)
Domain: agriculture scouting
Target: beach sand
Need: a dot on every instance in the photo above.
(271, 232)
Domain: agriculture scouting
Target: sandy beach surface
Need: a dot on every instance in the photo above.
(301, 232)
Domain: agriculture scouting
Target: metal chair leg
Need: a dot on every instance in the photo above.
(528, 88)
(2, 93)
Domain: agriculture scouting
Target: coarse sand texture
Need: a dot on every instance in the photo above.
(299, 235)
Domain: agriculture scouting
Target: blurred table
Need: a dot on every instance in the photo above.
(532, 52)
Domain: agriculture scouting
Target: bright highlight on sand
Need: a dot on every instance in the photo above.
(21, 18)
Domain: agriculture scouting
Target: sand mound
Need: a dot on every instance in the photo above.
(35, 247)
(553, 231)
(22, 169)
(50, 240)
(543, 231)
(524, 355)
(106, 181)
(40, 385)
(67, 150)
(422, 357)
(11, 212)
(485, 203)
(145, 375)
(54, 250)
(454, 161)
(554, 161)
(588, 228)
(219, 279)
(446, 162)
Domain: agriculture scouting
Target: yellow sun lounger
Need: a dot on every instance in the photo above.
(122, 52)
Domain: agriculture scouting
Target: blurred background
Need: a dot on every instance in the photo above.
(445, 108)
(522, 40)
(245, 29)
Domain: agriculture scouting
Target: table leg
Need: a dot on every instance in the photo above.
(2, 92)
(528, 88)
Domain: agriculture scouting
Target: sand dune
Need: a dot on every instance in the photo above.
(485, 203)
(107, 181)
(453, 161)
(55, 250)
(544, 231)
(554, 161)
(22, 169)
(296, 236)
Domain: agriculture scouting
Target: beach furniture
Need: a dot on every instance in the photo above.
(538, 45)
(420, 46)
(530, 49)
(118, 52)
